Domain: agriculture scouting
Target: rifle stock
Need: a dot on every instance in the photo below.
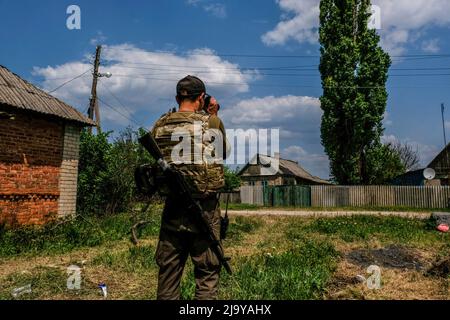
(178, 185)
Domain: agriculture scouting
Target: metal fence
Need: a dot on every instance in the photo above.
(347, 196)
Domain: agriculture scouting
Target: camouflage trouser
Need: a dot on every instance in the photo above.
(174, 247)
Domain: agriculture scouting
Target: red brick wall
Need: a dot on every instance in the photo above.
(30, 158)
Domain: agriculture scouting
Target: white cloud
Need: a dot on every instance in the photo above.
(395, 41)
(216, 9)
(314, 163)
(298, 119)
(387, 122)
(99, 38)
(301, 23)
(193, 2)
(402, 21)
(144, 80)
(431, 46)
(270, 110)
(447, 125)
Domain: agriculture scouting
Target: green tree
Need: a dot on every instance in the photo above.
(92, 172)
(106, 171)
(386, 164)
(354, 71)
(232, 180)
(124, 156)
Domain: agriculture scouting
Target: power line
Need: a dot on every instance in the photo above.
(67, 82)
(239, 69)
(204, 70)
(118, 100)
(420, 75)
(445, 55)
(175, 72)
(269, 85)
(113, 108)
(210, 69)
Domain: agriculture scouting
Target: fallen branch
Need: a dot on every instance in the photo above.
(135, 229)
(139, 224)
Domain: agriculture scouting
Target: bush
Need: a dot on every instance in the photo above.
(232, 180)
(106, 171)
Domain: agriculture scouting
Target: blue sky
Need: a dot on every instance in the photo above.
(150, 44)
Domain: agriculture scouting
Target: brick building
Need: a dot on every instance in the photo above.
(39, 144)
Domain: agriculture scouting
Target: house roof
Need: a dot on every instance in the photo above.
(286, 167)
(18, 93)
(441, 154)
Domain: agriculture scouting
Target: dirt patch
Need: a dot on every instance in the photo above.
(440, 269)
(393, 256)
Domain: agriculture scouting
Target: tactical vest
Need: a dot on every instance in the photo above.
(202, 177)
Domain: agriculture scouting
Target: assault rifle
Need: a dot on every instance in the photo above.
(177, 185)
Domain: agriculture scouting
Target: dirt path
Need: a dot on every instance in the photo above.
(328, 214)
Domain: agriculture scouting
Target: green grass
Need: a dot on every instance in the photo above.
(363, 228)
(241, 226)
(299, 273)
(44, 282)
(290, 258)
(82, 232)
(240, 206)
(134, 259)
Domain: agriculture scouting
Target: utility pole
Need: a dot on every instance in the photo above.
(93, 104)
(443, 124)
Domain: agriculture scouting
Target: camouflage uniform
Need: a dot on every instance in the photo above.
(179, 235)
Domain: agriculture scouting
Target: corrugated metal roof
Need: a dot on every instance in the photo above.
(18, 93)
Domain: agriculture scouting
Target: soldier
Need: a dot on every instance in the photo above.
(212, 107)
(179, 235)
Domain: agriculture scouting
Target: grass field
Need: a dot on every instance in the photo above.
(272, 258)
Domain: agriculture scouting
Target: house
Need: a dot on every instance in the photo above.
(410, 178)
(258, 171)
(441, 165)
(39, 146)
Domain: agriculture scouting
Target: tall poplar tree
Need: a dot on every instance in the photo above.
(354, 70)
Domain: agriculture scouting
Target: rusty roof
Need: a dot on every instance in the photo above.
(20, 94)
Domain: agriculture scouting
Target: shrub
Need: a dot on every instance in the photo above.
(106, 171)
